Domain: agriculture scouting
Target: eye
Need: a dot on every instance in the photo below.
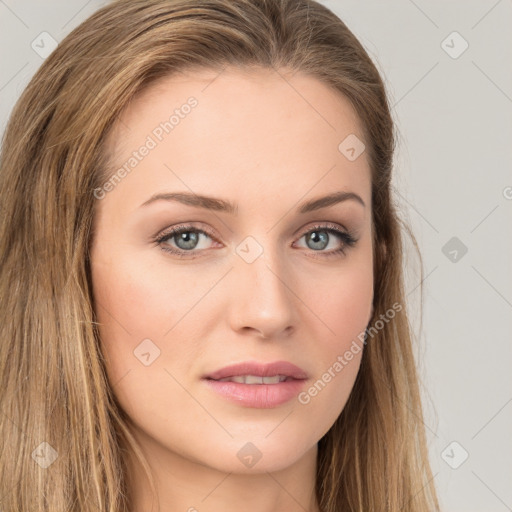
(186, 240)
(321, 236)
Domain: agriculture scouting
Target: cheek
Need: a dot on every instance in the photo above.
(133, 299)
(344, 308)
(134, 310)
(127, 309)
(136, 302)
(343, 300)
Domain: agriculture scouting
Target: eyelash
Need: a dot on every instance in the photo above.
(348, 241)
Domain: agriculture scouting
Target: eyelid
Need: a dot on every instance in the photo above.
(191, 226)
(210, 232)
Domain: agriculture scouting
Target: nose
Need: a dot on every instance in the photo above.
(262, 301)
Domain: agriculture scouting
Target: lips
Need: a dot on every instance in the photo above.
(251, 372)
(257, 385)
(255, 379)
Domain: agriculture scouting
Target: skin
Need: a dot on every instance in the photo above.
(267, 141)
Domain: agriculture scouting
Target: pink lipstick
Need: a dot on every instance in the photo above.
(258, 385)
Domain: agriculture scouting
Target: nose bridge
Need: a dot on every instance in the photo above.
(262, 298)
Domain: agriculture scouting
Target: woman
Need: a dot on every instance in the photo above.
(202, 291)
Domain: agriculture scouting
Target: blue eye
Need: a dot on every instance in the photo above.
(186, 239)
(320, 236)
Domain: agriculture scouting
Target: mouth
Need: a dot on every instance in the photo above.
(256, 385)
(256, 379)
(253, 372)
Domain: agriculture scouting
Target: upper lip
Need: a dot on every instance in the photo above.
(259, 369)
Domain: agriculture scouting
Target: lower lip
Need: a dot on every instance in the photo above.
(260, 396)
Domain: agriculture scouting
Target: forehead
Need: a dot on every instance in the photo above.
(249, 130)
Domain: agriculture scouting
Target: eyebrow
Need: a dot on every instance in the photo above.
(221, 205)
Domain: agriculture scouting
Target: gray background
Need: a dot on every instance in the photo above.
(454, 184)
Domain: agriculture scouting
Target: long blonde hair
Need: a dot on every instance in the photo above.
(63, 438)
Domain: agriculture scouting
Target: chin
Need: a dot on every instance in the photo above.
(260, 454)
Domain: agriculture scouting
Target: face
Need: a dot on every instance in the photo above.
(252, 275)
